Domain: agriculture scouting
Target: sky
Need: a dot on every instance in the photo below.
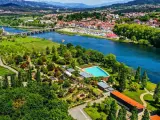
(88, 2)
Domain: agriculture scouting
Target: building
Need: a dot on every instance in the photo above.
(103, 85)
(68, 73)
(70, 70)
(155, 117)
(126, 101)
(85, 74)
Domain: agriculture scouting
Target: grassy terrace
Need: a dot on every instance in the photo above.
(135, 95)
(151, 86)
(4, 71)
(150, 103)
(94, 114)
(21, 45)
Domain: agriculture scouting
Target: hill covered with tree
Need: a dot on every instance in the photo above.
(34, 102)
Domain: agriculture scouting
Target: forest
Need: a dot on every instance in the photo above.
(140, 33)
(34, 102)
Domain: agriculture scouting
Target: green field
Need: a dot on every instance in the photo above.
(28, 44)
(150, 103)
(4, 71)
(150, 86)
(135, 95)
(94, 114)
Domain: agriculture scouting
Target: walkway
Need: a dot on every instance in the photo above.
(7, 67)
(79, 114)
(142, 97)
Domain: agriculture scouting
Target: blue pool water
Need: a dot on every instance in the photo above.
(96, 71)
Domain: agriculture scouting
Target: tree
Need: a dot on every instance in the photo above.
(144, 80)
(113, 111)
(55, 57)
(111, 80)
(29, 74)
(13, 81)
(138, 75)
(68, 56)
(147, 33)
(66, 84)
(5, 82)
(122, 114)
(38, 76)
(19, 81)
(134, 115)
(134, 38)
(156, 95)
(122, 82)
(73, 63)
(40, 61)
(134, 86)
(18, 59)
(54, 50)
(111, 117)
(69, 45)
(47, 50)
(50, 67)
(146, 115)
(109, 60)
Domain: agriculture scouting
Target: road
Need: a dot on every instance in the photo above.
(79, 114)
(7, 67)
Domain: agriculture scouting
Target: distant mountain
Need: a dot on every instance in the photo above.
(135, 2)
(81, 5)
(10, 5)
(27, 3)
(69, 5)
(140, 2)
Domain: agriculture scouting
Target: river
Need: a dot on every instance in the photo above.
(131, 55)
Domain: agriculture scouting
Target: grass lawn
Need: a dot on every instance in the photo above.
(135, 95)
(28, 44)
(150, 103)
(94, 114)
(151, 86)
(4, 71)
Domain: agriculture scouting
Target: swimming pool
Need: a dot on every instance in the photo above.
(96, 71)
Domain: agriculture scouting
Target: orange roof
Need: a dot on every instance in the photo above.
(128, 100)
(155, 117)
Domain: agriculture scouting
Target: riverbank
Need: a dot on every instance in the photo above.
(61, 31)
(23, 27)
(66, 31)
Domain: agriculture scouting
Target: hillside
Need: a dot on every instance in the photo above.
(135, 2)
(28, 3)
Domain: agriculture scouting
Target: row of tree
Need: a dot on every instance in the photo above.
(138, 32)
(82, 15)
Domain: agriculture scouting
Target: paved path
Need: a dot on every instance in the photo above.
(142, 97)
(7, 67)
(79, 114)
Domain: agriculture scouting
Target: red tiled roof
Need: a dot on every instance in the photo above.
(155, 117)
(128, 100)
(111, 35)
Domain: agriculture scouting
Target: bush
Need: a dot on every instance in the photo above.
(61, 62)
(143, 42)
